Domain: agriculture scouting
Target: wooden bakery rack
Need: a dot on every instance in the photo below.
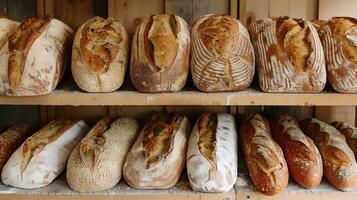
(69, 100)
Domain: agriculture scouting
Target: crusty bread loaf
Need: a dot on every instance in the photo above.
(10, 140)
(97, 162)
(340, 166)
(264, 158)
(289, 55)
(100, 55)
(212, 153)
(222, 54)
(339, 39)
(37, 57)
(302, 156)
(158, 156)
(43, 156)
(350, 133)
(160, 54)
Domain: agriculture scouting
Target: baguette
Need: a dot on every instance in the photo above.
(350, 133)
(340, 166)
(302, 156)
(43, 156)
(264, 158)
(212, 153)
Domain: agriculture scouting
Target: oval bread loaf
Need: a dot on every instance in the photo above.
(100, 55)
(339, 39)
(43, 156)
(340, 166)
(160, 54)
(222, 54)
(157, 158)
(97, 162)
(11, 139)
(38, 51)
(302, 156)
(263, 156)
(289, 54)
(350, 133)
(212, 153)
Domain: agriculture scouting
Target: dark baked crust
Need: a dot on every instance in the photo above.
(207, 130)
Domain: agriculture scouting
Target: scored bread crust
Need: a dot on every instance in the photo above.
(301, 154)
(212, 153)
(263, 156)
(289, 54)
(100, 55)
(38, 51)
(339, 39)
(160, 54)
(222, 54)
(157, 158)
(97, 162)
(350, 133)
(43, 156)
(10, 140)
(340, 166)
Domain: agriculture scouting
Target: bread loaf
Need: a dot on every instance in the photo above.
(222, 54)
(10, 140)
(264, 158)
(212, 153)
(37, 57)
(340, 166)
(100, 55)
(302, 156)
(158, 156)
(289, 55)
(350, 133)
(339, 39)
(43, 156)
(97, 162)
(160, 54)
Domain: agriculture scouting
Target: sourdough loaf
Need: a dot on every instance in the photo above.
(289, 54)
(350, 133)
(302, 156)
(222, 54)
(37, 52)
(264, 158)
(340, 166)
(97, 162)
(157, 158)
(160, 54)
(100, 55)
(339, 39)
(212, 153)
(10, 140)
(43, 156)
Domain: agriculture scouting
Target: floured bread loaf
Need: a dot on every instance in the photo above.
(289, 55)
(350, 133)
(212, 153)
(37, 52)
(339, 39)
(222, 54)
(158, 156)
(43, 156)
(97, 162)
(100, 55)
(160, 54)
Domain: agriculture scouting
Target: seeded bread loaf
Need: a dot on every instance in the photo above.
(289, 54)
(212, 153)
(222, 54)
(100, 55)
(157, 158)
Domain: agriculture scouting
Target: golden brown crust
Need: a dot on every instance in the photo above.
(99, 44)
(159, 136)
(20, 43)
(35, 144)
(349, 132)
(207, 130)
